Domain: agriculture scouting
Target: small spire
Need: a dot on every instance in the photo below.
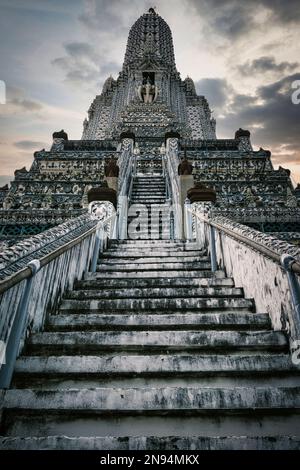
(152, 10)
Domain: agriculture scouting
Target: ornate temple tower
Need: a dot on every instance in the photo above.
(149, 76)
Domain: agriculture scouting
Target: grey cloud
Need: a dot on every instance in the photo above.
(232, 19)
(25, 104)
(84, 66)
(108, 15)
(216, 90)
(29, 144)
(4, 179)
(271, 116)
(283, 11)
(18, 101)
(266, 64)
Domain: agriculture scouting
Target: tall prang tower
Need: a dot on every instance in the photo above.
(149, 77)
(150, 106)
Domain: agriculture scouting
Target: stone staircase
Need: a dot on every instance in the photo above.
(154, 352)
(150, 191)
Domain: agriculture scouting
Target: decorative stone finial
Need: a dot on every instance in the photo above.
(242, 133)
(60, 135)
(243, 136)
(102, 194)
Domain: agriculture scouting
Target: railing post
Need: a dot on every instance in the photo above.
(96, 250)
(188, 220)
(213, 253)
(115, 227)
(172, 224)
(18, 326)
(287, 261)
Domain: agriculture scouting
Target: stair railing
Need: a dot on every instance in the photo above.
(35, 274)
(262, 264)
(170, 170)
(125, 190)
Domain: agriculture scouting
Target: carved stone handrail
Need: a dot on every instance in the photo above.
(267, 245)
(18, 256)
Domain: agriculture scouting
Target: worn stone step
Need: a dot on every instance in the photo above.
(158, 304)
(220, 321)
(142, 341)
(155, 191)
(188, 274)
(149, 250)
(148, 197)
(174, 243)
(200, 292)
(153, 282)
(162, 266)
(179, 365)
(151, 259)
(178, 443)
(146, 253)
(151, 401)
(160, 424)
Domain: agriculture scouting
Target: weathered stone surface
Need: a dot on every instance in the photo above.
(156, 340)
(144, 365)
(135, 400)
(166, 304)
(210, 292)
(172, 321)
(191, 443)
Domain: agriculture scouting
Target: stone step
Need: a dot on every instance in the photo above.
(119, 254)
(146, 200)
(174, 243)
(159, 199)
(154, 274)
(214, 321)
(152, 283)
(169, 400)
(25, 424)
(141, 341)
(146, 190)
(151, 208)
(162, 266)
(128, 443)
(149, 250)
(104, 258)
(156, 292)
(184, 365)
(158, 304)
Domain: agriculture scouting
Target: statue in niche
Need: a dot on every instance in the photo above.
(147, 92)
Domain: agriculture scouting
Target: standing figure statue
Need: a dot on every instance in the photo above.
(147, 92)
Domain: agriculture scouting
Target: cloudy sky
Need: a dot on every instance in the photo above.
(55, 55)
